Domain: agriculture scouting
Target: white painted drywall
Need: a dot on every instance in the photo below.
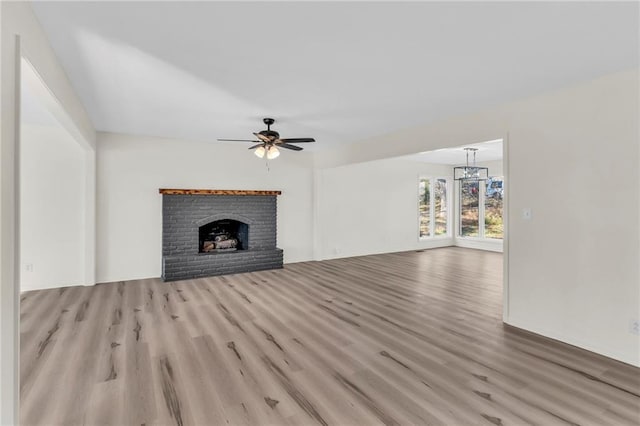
(372, 207)
(17, 19)
(573, 154)
(495, 167)
(131, 169)
(52, 200)
(35, 47)
(573, 266)
(9, 289)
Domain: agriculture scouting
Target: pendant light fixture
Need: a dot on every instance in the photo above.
(471, 171)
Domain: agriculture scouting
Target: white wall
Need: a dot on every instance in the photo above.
(9, 288)
(573, 159)
(131, 170)
(372, 207)
(39, 106)
(369, 208)
(17, 19)
(573, 267)
(495, 167)
(52, 200)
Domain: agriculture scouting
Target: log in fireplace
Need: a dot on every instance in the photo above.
(224, 235)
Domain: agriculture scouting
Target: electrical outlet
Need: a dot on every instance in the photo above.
(634, 327)
(29, 267)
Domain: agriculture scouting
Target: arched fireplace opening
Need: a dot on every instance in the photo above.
(223, 235)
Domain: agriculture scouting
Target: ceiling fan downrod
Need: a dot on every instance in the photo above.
(268, 122)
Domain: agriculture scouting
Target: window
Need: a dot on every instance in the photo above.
(493, 226)
(433, 207)
(424, 207)
(440, 206)
(469, 208)
(481, 208)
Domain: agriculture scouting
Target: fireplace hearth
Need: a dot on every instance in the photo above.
(217, 232)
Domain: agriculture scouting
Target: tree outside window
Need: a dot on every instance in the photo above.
(433, 207)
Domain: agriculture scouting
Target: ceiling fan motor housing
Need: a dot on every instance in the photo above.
(271, 134)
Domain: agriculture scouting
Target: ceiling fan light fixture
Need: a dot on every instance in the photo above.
(260, 151)
(268, 141)
(272, 153)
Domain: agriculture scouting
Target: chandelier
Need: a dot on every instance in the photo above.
(470, 172)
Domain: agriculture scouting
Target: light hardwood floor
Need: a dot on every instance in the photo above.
(404, 338)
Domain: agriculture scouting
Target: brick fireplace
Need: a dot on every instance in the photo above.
(218, 232)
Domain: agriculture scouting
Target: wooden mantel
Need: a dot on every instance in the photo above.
(171, 191)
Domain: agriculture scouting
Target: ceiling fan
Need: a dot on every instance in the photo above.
(269, 141)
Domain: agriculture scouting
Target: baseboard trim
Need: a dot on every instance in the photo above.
(568, 340)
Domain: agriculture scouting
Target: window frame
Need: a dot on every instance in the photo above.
(432, 207)
(482, 193)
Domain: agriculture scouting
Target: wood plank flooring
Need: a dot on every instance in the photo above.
(394, 339)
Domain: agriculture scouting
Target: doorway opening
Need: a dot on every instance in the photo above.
(476, 205)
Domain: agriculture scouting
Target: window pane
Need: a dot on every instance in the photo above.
(469, 198)
(440, 197)
(425, 208)
(493, 226)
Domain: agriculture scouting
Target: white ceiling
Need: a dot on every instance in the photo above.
(339, 72)
(486, 151)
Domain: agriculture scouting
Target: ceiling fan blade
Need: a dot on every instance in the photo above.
(263, 138)
(286, 145)
(297, 140)
(236, 140)
(256, 145)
